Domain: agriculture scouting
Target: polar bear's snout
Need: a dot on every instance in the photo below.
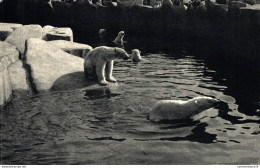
(122, 33)
(216, 102)
(126, 57)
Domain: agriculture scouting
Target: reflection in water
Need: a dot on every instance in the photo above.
(198, 135)
(99, 93)
(242, 80)
(223, 113)
(109, 125)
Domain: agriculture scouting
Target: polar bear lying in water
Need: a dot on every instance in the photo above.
(178, 109)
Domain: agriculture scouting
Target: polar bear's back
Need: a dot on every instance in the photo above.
(101, 52)
(177, 109)
(170, 110)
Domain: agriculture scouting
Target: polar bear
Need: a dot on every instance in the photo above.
(136, 57)
(102, 34)
(119, 39)
(99, 62)
(178, 109)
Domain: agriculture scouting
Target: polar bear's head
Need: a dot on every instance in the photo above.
(121, 53)
(121, 34)
(119, 38)
(102, 33)
(136, 55)
(205, 103)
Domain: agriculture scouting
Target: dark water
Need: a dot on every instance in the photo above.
(108, 125)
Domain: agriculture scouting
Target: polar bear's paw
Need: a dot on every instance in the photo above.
(111, 79)
(103, 82)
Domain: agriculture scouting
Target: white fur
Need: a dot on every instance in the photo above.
(119, 38)
(136, 57)
(178, 109)
(99, 62)
(102, 33)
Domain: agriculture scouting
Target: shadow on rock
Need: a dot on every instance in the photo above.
(72, 81)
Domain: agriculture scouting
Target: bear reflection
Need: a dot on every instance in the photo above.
(99, 93)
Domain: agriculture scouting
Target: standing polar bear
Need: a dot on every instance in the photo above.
(118, 41)
(99, 63)
(178, 109)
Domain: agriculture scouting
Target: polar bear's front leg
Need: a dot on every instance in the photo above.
(100, 70)
(109, 71)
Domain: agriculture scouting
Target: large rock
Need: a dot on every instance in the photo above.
(57, 33)
(48, 63)
(73, 48)
(18, 76)
(21, 34)
(5, 87)
(8, 54)
(5, 31)
(11, 25)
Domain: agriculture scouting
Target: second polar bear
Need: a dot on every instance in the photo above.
(136, 57)
(99, 63)
(178, 109)
(119, 39)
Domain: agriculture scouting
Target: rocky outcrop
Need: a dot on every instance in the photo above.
(45, 66)
(19, 78)
(73, 48)
(57, 33)
(8, 55)
(5, 31)
(5, 86)
(21, 34)
(11, 25)
(47, 63)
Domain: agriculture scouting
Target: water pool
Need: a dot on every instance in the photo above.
(109, 125)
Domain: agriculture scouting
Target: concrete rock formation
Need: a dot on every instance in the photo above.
(5, 87)
(11, 25)
(19, 78)
(8, 55)
(72, 48)
(5, 31)
(47, 63)
(21, 34)
(57, 33)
